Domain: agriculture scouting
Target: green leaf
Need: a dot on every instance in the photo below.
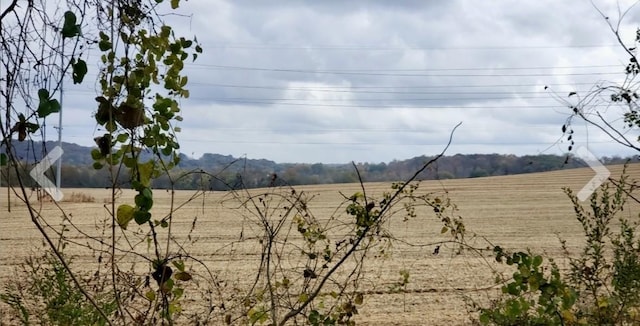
(3, 159)
(79, 71)
(141, 217)
(165, 30)
(143, 202)
(150, 295)
(129, 162)
(175, 4)
(95, 154)
(177, 293)
(43, 94)
(182, 276)
(137, 185)
(146, 192)
(46, 106)
(122, 137)
(314, 317)
(31, 127)
(166, 151)
(54, 106)
(104, 45)
(537, 261)
(69, 27)
(124, 215)
(179, 264)
(69, 18)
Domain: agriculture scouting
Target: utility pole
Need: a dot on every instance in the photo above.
(59, 164)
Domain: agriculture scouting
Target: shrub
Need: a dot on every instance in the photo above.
(42, 293)
(602, 286)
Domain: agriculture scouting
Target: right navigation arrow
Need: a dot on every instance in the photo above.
(602, 173)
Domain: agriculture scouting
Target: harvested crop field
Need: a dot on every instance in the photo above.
(516, 212)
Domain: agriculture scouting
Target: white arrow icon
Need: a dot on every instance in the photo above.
(37, 173)
(602, 173)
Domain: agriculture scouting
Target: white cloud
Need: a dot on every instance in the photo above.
(336, 81)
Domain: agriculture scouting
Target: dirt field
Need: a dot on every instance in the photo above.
(516, 212)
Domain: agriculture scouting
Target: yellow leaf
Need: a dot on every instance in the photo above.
(124, 215)
(603, 302)
(444, 230)
(303, 297)
(145, 170)
(359, 299)
(151, 295)
(568, 316)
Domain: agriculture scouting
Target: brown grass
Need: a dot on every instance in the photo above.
(79, 197)
(516, 212)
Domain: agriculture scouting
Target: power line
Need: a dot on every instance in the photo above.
(321, 105)
(316, 103)
(364, 47)
(357, 89)
(448, 69)
(311, 101)
(262, 130)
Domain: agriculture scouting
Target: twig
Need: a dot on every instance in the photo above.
(294, 312)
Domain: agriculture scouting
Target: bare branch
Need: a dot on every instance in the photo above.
(364, 234)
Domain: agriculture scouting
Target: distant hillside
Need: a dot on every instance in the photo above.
(225, 171)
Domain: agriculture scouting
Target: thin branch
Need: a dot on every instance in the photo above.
(9, 9)
(365, 232)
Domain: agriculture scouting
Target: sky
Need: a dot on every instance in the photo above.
(376, 81)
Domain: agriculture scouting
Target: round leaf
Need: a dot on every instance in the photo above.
(124, 215)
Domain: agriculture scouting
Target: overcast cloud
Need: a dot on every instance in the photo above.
(373, 81)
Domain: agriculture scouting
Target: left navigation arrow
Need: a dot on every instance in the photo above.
(37, 173)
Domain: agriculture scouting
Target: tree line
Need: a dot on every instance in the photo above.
(225, 172)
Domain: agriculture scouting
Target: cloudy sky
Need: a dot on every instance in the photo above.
(374, 81)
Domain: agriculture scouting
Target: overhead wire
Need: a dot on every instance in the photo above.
(369, 47)
(385, 89)
(370, 73)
